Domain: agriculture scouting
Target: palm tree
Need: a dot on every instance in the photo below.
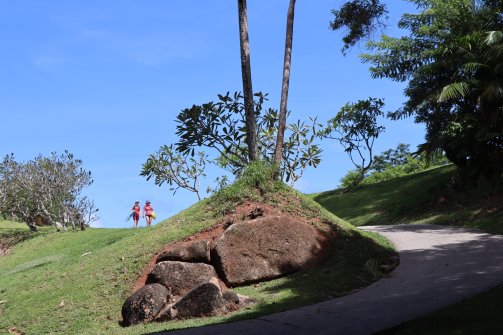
(480, 79)
(250, 120)
(481, 76)
(286, 83)
(481, 73)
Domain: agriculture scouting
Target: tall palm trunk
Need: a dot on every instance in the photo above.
(286, 83)
(251, 123)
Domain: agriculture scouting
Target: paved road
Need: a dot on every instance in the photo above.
(439, 266)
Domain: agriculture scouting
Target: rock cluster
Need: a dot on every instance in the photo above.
(192, 279)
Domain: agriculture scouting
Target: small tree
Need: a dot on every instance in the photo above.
(299, 149)
(391, 157)
(48, 186)
(220, 126)
(356, 129)
(394, 163)
(178, 170)
(85, 213)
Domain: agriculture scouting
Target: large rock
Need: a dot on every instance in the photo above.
(180, 277)
(144, 304)
(193, 251)
(204, 300)
(265, 248)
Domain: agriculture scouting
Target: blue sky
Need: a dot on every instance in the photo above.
(106, 79)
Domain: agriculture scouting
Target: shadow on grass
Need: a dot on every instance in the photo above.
(388, 202)
(424, 197)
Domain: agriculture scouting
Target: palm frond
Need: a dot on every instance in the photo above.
(453, 91)
(493, 53)
(493, 93)
(494, 37)
(474, 66)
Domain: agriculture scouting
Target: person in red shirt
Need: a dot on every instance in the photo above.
(147, 212)
(136, 213)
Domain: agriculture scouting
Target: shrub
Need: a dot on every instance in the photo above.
(394, 163)
(254, 182)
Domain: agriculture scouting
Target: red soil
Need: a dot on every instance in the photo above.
(245, 211)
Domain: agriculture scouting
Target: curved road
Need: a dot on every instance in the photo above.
(439, 266)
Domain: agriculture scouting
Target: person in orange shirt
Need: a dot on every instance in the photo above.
(136, 213)
(147, 212)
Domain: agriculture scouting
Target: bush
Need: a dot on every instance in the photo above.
(394, 163)
(350, 178)
(255, 181)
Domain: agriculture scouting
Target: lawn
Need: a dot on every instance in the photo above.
(75, 282)
(426, 197)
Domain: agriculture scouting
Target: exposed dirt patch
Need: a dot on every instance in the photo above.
(8, 240)
(246, 211)
(4, 250)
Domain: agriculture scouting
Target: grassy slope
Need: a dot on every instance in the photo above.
(76, 282)
(426, 198)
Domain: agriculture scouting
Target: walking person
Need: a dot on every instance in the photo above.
(147, 213)
(136, 213)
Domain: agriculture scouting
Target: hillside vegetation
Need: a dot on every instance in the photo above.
(426, 197)
(75, 282)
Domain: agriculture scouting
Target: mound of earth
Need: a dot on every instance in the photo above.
(254, 243)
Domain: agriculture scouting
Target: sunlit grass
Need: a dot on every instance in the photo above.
(75, 282)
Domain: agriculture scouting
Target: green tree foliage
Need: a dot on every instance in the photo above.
(394, 163)
(221, 127)
(360, 17)
(46, 186)
(355, 127)
(452, 60)
(391, 157)
(217, 125)
(178, 170)
(254, 181)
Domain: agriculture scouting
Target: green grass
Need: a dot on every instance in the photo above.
(12, 232)
(426, 197)
(429, 197)
(75, 282)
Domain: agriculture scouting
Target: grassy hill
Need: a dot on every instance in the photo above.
(75, 282)
(430, 197)
(426, 197)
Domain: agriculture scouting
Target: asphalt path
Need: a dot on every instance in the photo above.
(439, 266)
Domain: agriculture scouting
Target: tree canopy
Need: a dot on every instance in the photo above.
(452, 60)
(356, 128)
(47, 186)
(360, 17)
(221, 127)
